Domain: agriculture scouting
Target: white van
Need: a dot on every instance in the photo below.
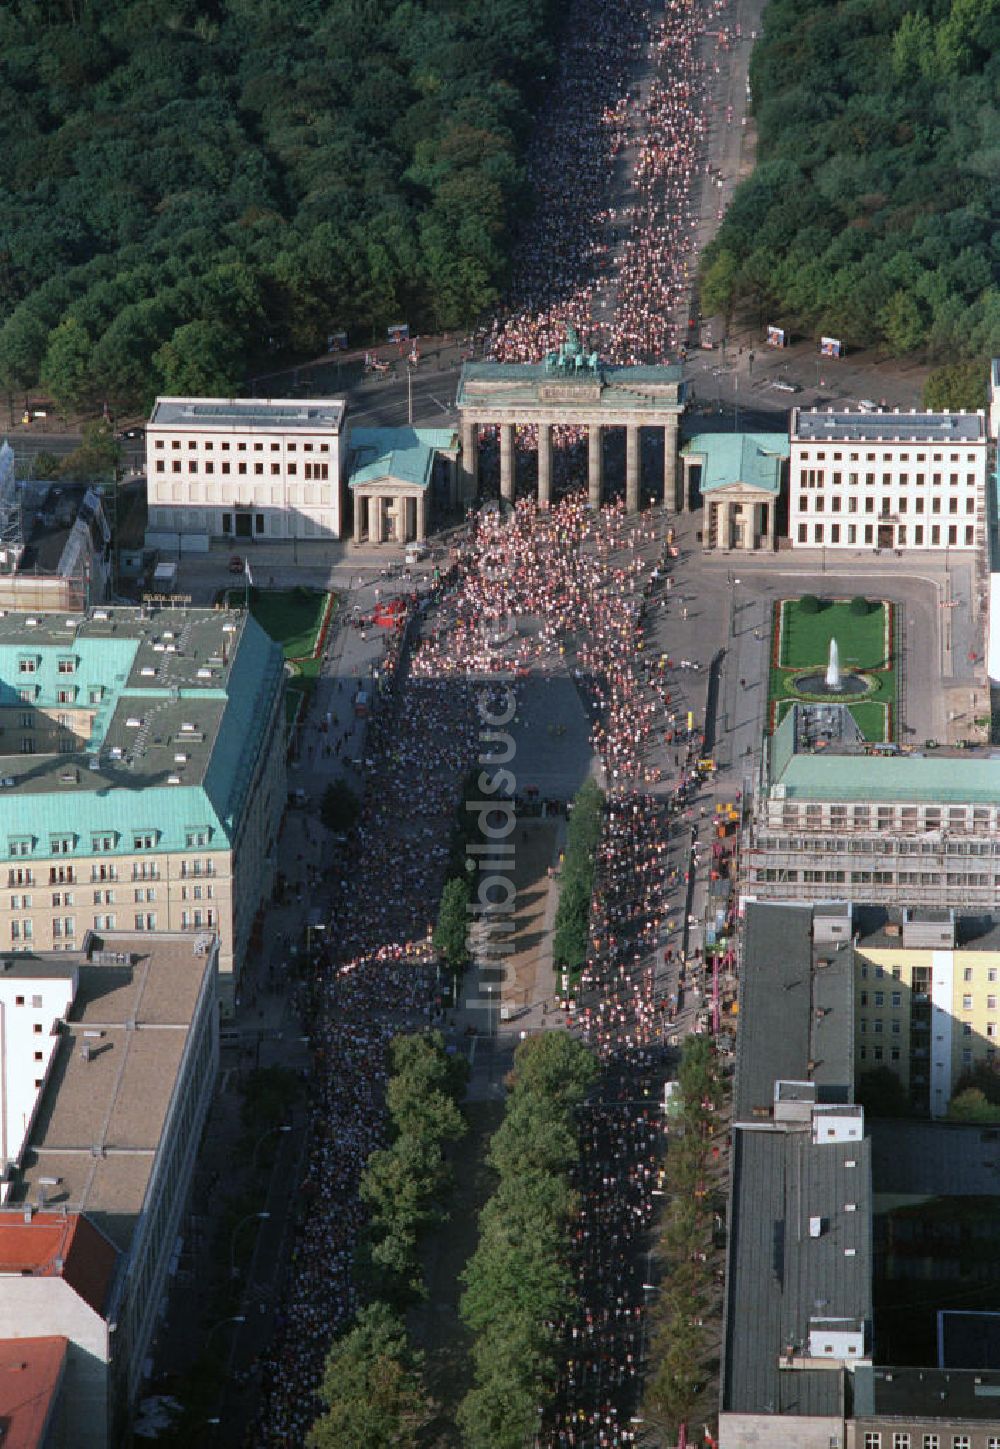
(416, 553)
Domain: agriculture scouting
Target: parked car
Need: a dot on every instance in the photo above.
(783, 386)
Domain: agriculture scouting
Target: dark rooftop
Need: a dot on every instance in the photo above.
(796, 1015)
(781, 1276)
(934, 1159)
(825, 425)
(927, 1393)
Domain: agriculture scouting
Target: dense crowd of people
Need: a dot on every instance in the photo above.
(569, 588)
(371, 978)
(617, 274)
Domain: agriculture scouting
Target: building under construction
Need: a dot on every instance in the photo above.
(55, 543)
(837, 818)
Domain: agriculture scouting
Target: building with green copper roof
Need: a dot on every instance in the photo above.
(839, 818)
(740, 477)
(391, 474)
(141, 775)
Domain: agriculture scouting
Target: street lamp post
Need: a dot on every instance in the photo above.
(261, 1217)
(310, 927)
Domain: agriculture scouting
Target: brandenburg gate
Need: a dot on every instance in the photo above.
(577, 389)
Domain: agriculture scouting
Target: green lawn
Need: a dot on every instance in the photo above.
(805, 638)
(293, 618)
(805, 643)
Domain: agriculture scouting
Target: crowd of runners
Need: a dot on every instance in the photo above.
(570, 589)
(618, 274)
(371, 977)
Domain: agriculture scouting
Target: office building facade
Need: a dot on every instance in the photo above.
(888, 480)
(243, 470)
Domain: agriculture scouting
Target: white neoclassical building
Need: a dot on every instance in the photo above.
(243, 469)
(906, 480)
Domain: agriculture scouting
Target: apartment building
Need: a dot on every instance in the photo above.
(927, 988)
(243, 469)
(94, 1188)
(837, 1218)
(142, 776)
(891, 480)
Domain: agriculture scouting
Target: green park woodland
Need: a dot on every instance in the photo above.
(190, 190)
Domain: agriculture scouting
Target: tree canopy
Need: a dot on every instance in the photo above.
(518, 1282)
(188, 191)
(372, 1388)
(872, 212)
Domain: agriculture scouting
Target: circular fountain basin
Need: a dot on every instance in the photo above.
(851, 685)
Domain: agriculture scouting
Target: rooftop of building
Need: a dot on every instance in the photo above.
(754, 459)
(810, 765)
(507, 383)
(31, 1371)
(932, 1393)
(111, 1084)
(825, 425)
(783, 1276)
(796, 1011)
(891, 928)
(51, 512)
(241, 415)
(58, 1245)
(922, 1159)
(175, 701)
(403, 454)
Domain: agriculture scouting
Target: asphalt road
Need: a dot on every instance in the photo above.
(374, 403)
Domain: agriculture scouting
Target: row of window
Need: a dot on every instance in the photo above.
(903, 1439)
(930, 817)
(140, 895)
(141, 870)
(29, 663)
(877, 877)
(817, 478)
(28, 721)
(903, 846)
(208, 446)
(318, 471)
(64, 927)
(20, 845)
(889, 506)
(868, 845)
(28, 694)
(878, 998)
(890, 535)
(878, 1054)
(837, 456)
